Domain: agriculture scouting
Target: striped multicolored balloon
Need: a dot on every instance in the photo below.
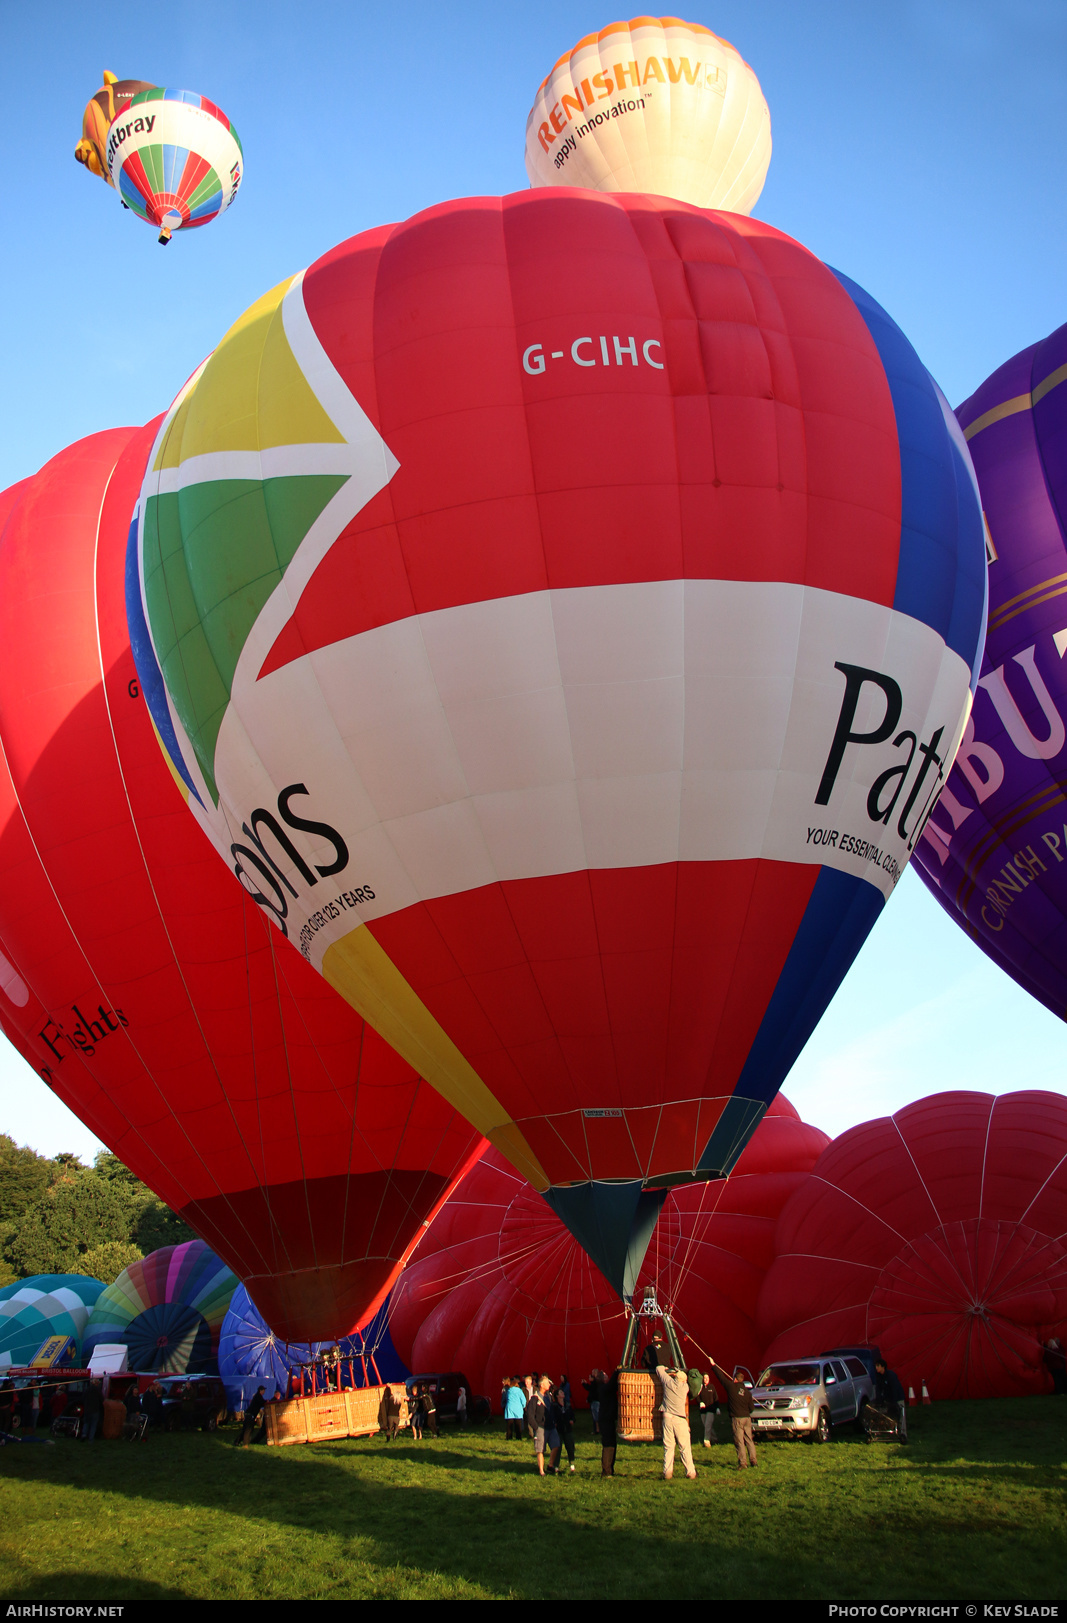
(175, 159)
(167, 1309)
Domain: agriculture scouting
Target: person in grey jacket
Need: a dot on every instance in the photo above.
(675, 1385)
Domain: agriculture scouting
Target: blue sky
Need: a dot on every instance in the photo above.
(917, 147)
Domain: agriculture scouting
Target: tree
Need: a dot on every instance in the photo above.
(59, 1216)
(24, 1177)
(107, 1261)
(76, 1214)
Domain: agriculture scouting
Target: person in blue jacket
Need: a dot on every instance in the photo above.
(514, 1410)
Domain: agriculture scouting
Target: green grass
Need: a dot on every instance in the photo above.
(974, 1508)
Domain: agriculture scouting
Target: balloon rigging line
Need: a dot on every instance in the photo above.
(926, 1191)
(689, 1259)
(985, 1156)
(1060, 1163)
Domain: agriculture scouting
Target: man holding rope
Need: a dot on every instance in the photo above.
(739, 1403)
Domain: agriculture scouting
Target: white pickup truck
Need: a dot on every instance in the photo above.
(807, 1397)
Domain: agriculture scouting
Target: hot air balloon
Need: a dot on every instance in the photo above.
(167, 1309)
(111, 100)
(567, 607)
(996, 843)
(653, 105)
(498, 1286)
(173, 156)
(45, 1305)
(938, 1234)
(144, 986)
(250, 1352)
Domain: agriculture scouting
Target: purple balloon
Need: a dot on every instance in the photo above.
(995, 850)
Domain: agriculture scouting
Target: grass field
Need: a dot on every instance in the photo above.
(972, 1509)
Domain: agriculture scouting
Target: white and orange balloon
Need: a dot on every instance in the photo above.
(654, 105)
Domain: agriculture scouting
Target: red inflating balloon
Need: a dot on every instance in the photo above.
(498, 1286)
(938, 1234)
(143, 984)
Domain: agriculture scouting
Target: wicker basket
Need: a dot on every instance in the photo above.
(327, 1416)
(363, 1407)
(639, 1398)
(287, 1422)
(331, 1414)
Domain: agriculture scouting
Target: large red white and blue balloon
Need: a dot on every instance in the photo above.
(563, 609)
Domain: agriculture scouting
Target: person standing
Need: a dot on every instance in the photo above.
(514, 1409)
(552, 1424)
(1056, 1363)
(565, 1424)
(429, 1409)
(536, 1421)
(92, 1408)
(675, 1385)
(252, 1414)
(461, 1406)
(607, 1393)
(654, 1354)
(889, 1396)
(739, 1405)
(708, 1402)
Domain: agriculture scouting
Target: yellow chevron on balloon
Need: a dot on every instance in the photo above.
(366, 977)
(251, 395)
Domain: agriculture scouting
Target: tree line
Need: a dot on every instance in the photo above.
(60, 1216)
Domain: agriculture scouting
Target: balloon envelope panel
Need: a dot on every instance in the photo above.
(995, 852)
(938, 1234)
(142, 983)
(86, 1289)
(578, 599)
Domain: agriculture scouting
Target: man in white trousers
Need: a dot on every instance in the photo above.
(675, 1385)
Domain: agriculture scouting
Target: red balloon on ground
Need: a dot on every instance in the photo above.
(499, 1286)
(938, 1234)
(213, 1060)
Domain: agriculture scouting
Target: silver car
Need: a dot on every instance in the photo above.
(806, 1397)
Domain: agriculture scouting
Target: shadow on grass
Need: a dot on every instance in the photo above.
(469, 1510)
(71, 1585)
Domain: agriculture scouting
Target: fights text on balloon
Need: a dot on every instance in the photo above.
(583, 353)
(83, 1037)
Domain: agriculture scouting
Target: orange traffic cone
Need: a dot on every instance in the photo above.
(911, 1397)
(926, 1395)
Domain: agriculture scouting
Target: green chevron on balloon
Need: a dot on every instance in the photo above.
(222, 516)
